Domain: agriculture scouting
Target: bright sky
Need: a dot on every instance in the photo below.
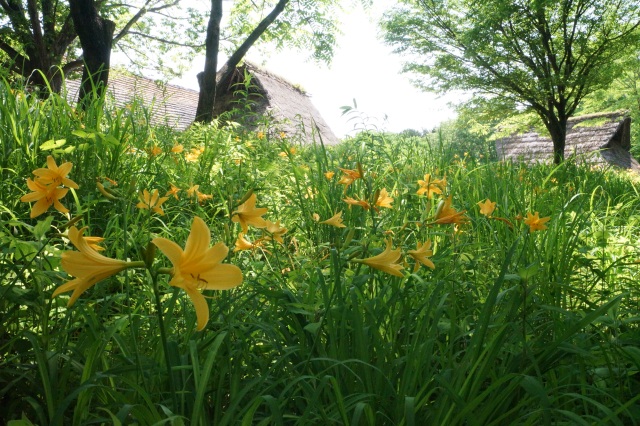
(363, 69)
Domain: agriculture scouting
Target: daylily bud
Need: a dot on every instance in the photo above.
(104, 191)
(149, 254)
(73, 221)
(246, 196)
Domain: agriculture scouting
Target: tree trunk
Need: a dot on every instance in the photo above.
(96, 35)
(212, 83)
(207, 78)
(557, 127)
(226, 73)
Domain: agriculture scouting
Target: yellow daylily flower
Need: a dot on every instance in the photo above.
(384, 200)
(151, 201)
(177, 148)
(487, 207)
(446, 214)
(335, 220)
(87, 265)
(387, 261)
(199, 267)
(173, 191)
(45, 196)
(362, 203)
(535, 222)
(192, 156)
(94, 242)
(55, 175)
(203, 197)
(247, 214)
(348, 176)
(155, 151)
(430, 186)
(421, 255)
(242, 243)
(329, 175)
(276, 231)
(193, 191)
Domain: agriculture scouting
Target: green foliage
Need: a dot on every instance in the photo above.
(544, 56)
(621, 94)
(511, 327)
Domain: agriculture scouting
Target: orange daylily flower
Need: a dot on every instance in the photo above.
(242, 243)
(55, 175)
(247, 214)
(177, 148)
(87, 265)
(173, 191)
(421, 255)
(384, 200)
(155, 151)
(151, 201)
(446, 214)
(193, 191)
(387, 261)
(276, 231)
(199, 267)
(430, 186)
(335, 220)
(45, 196)
(535, 222)
(203, 197)
(348, 176)
(362, 203)
(487, 207)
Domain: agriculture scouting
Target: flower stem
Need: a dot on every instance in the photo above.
(163, 337)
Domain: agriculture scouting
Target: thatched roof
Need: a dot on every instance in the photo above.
(289, 107)
(169, 105)
(603, 138)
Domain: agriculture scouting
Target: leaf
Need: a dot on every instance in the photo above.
(42, 227)
(52, 144)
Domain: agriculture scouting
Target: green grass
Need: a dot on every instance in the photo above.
(511, 327)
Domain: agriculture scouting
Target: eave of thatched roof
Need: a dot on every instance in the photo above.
(602, 138)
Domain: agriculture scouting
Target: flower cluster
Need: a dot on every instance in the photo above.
(198, 267)
(248, 214)
(49, 187)
(389, 260)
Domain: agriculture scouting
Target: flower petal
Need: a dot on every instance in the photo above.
(201, 306)
(222, 277)
(198, 240)
(170, 249)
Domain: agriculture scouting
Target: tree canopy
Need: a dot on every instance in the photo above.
(40, 34)
(539, 55)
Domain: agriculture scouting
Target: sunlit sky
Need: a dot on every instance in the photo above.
(364, 69)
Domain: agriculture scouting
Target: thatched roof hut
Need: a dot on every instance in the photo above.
(603, 139)
(289, 107)
(272, 96)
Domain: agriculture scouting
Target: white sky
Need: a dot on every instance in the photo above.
(363, 69)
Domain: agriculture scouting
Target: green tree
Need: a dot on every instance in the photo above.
(305, 24)
(622, 94)
(537, 55)
(38, 40)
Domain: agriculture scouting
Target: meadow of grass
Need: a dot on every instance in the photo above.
(513, 325)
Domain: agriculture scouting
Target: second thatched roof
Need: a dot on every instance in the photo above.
(602, 138)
